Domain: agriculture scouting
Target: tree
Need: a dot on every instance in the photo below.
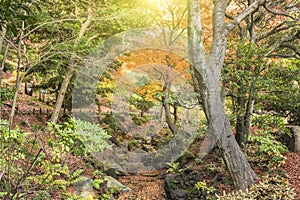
(207, 72)
(97, 20)
(13, 17)
(279, 90)
(257, 41)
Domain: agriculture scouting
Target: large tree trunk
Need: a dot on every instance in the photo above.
(208, 71)
(240, 171)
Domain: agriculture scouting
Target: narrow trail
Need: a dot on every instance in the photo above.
(144, 187)
(292, 168)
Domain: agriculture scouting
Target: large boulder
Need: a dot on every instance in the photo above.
(292, 141)
(87, 190)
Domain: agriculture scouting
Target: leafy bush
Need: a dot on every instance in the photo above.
(269, 122)
(270, 188)
(203, 189)
(138, 120)
(265, 150)
(27, 170)
(6, 94)
(174, 167)
(92, 136)
(31, 169)
(78, 137)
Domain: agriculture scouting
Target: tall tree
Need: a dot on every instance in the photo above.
(207, 71)
(271, 31)
(96, 20)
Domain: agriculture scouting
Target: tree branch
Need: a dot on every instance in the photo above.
(243, 15)
(282, 41)
(278, 13)
(283, 56)
(292, 47)
(277, 29)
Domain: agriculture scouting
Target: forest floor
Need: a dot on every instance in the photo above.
(32, 113)
(152, 188)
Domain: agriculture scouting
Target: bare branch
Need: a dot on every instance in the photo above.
(229, 16)
(277, 29)
(292, 47)
(251, 8)
(283, 56)
(282, 41)
(278, 13)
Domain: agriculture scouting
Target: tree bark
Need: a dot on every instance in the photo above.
(61, 95)
(244, 104)
(70, 71)
(18, 78)
(2, 36)
(208, 71)
(171, 124)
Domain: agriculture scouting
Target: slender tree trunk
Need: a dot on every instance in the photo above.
(2, 36)
(249, 110)
(61, 95)
(240, 110)
(244, 104)
(18, 79)
(208, 77)
(71, 70)
(1, 69)
(166, 105)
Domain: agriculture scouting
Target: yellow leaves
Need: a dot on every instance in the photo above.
(149, 91)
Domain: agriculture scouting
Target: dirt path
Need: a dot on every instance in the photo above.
(292, 167)
(143, 188)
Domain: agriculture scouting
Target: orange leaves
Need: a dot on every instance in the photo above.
(154, 56)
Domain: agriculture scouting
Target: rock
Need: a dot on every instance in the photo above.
(148, 147)
(145, 169)
(181, 186)
(293, 141)
(171, 191)
(137, 136)
(115, 185)
(135, 156)
(134, 167)
(169, 186)
(296, 134)
(147, 139)
(85, 189)
(116, 170)
(180, 194)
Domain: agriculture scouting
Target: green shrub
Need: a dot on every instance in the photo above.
(78, 137)
(26, 168)
(32, 169)
(270, 189)
(265, 150)
(269, 122)
(94, 138)
(6, 94)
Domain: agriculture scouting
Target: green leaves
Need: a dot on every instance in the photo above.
(6, 94)
(268, 188)
(78, 137)
(14, 11)
(280, 91)
(265, 150)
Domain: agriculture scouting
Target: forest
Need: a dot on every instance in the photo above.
(149, 99)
